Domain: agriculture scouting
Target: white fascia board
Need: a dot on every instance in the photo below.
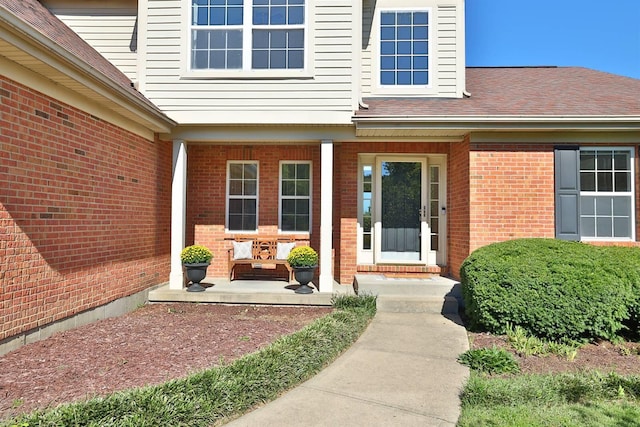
(556, 137)
(33, 43)
(247, 134)
(471, 123)
(243, 117)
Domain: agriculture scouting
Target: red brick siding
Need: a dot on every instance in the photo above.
(206, 194)
(458, 210)
(511, 193)
(84, 211)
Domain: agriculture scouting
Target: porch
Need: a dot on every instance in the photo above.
(435, 294)
(253, 291)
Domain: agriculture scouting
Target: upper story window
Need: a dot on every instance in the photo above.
(404, 48)
(247, 34)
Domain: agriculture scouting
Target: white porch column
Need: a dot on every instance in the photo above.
(326, 215)
(178, 212)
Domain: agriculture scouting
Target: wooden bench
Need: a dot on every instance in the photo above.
(263, 252)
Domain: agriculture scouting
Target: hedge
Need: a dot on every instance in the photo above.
(554, 289)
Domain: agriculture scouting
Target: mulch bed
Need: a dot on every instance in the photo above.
(604, 357)
(151, 345)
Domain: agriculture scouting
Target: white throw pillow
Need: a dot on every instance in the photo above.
(283, 250)
(242, 250)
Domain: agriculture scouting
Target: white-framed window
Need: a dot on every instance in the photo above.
(295, 196)
(242, 196)
(246, 35)
(606, 193)
(403, 50)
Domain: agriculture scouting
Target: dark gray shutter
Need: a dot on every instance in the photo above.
(567, 177)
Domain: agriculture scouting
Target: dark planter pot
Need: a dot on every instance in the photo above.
(304, 275)
(196, 273)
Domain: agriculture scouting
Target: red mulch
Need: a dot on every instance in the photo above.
(149, 346)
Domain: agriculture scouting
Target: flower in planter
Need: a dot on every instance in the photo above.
(302, 256)
(195, 254)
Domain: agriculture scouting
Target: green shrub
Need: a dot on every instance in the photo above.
(490, 360)
(553, 289)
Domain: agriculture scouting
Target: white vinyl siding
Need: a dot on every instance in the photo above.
(109, 27)
(446, 74)
(323, 95)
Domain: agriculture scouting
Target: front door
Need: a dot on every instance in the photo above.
(401, 211)
(401, 205)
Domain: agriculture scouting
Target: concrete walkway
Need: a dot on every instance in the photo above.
(401, 372)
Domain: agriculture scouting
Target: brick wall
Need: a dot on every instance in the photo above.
(511, 193)
(206, 195)
(458, 206)
(84, 211)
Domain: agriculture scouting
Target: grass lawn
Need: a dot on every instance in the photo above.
(583, 399)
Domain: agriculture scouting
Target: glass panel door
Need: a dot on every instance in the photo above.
(402, 211)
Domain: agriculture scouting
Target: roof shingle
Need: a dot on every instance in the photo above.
(524, 91)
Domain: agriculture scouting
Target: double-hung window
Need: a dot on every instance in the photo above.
(606, 197)
(295, 197)
(594, 193)
(404, 48)
(247, 34)
(242, 196)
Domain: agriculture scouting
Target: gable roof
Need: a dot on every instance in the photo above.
(29, 20)
(524, 92)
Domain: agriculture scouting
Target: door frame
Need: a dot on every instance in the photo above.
(372, 256)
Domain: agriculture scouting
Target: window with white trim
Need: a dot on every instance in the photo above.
(242, 196)
(606, 193)
(404, 48)
(247, 34)
(295, 197)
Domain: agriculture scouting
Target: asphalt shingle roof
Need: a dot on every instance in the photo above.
(522, 92)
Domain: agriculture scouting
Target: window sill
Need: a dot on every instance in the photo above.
(247, 75)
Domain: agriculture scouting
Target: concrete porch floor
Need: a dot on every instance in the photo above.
(435, 294)
(253, 291)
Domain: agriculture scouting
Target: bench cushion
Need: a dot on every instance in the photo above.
(242, 250)
(283, 249)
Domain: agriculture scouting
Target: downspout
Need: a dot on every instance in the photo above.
(357, 60)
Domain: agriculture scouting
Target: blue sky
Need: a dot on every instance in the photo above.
(594, 34)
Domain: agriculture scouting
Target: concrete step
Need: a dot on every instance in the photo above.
(416, 304)
(431, 295)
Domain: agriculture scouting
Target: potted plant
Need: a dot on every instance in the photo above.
(303, 260)
(196, 259)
